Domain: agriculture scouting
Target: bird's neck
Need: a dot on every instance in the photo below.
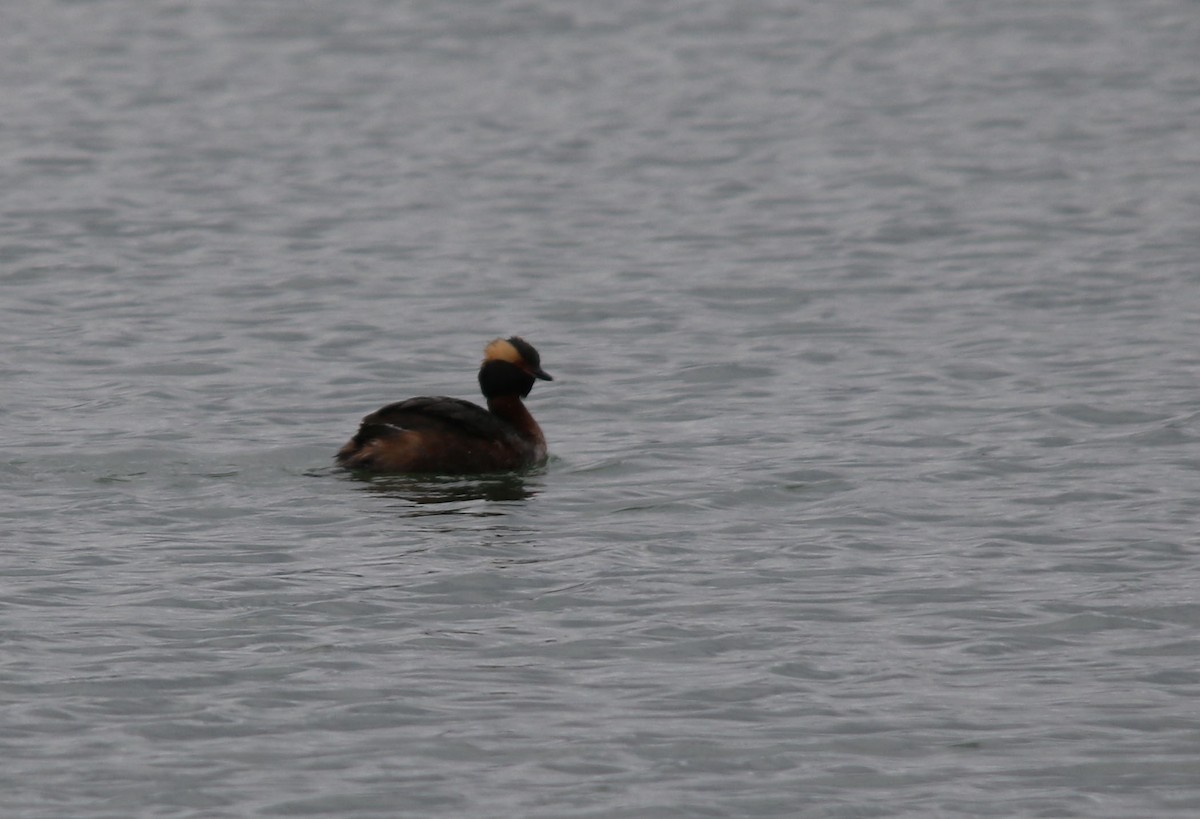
(512, 409)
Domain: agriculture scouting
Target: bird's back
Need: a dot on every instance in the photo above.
(434, 434)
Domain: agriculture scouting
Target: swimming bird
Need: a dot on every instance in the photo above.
(436, 434)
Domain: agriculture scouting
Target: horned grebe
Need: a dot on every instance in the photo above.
(451, 436)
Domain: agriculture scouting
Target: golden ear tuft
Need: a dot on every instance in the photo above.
(502, 350)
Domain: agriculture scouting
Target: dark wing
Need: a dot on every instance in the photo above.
(433, 413)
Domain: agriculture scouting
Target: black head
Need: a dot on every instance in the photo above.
(510, 366)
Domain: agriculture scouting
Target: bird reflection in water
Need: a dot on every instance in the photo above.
(431, 491)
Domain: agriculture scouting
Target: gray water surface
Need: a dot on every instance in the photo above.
(875, 474)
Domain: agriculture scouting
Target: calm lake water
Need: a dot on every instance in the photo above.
(875, 483)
